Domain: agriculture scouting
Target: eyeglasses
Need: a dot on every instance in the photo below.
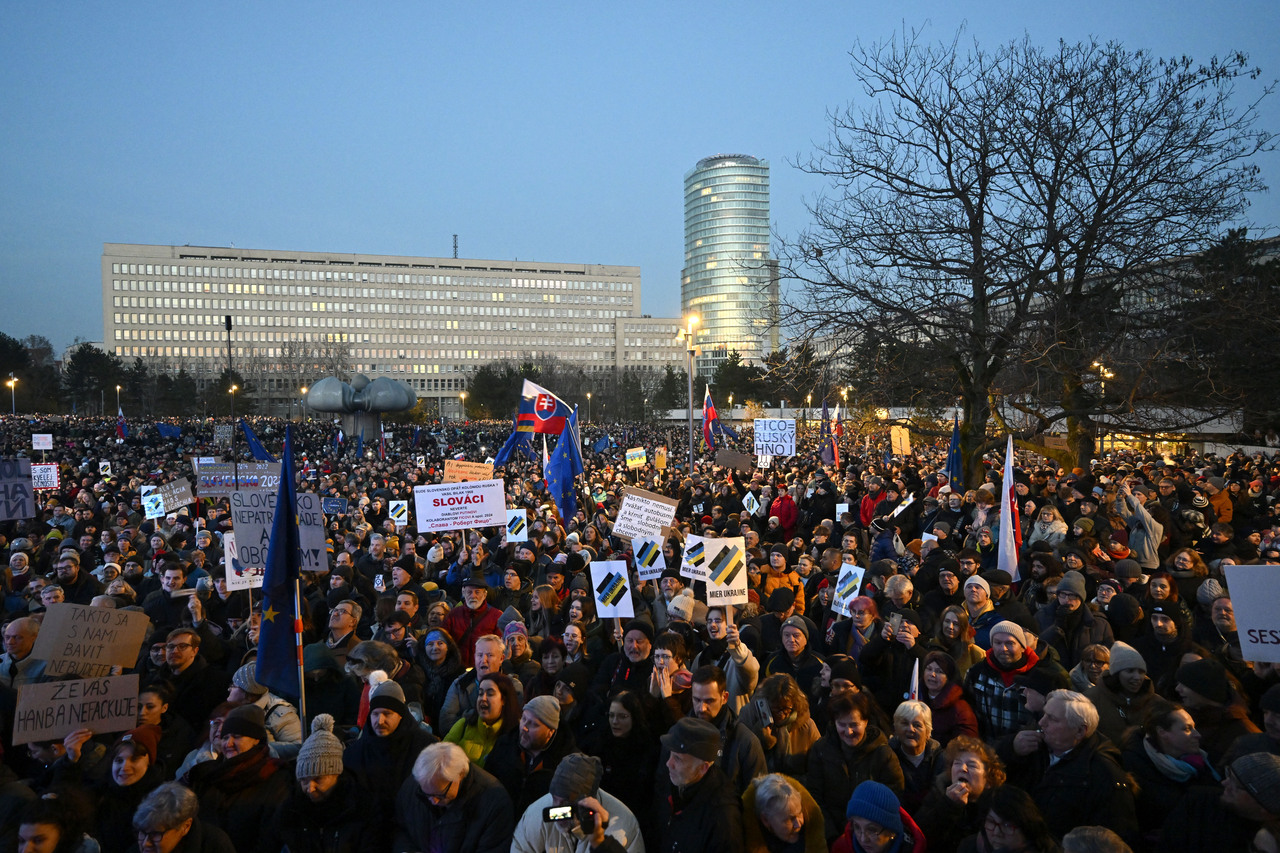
(154, 837)
(173, 647)
(993, 825)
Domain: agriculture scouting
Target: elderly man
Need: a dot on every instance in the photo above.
(996, 699)
(452, 805)
(1072, 771)
(17, 667)
(630, 668)
(474, 620)
(696, 808)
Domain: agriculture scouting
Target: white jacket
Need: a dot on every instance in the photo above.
(533, 835)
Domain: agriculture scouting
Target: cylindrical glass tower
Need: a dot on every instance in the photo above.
(729, 281)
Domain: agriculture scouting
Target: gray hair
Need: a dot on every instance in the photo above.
(773, 793)
(375, 655)
(914, 710)
(896, 584)
(356, 610)
(1077, 709)
(165, 808)
(377, 537)
(446, 760)
(1093, 839)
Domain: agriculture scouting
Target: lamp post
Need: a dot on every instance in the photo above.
(463, 397)
(302, 405)
(687, 333)
(643, 404)
(118, 409)
(588, 407)
(730, 408)
(13, 394)
(1103, 375)
(808, 401)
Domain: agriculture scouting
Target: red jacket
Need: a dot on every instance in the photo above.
(912, 836)
(466, 626)
(785, 509)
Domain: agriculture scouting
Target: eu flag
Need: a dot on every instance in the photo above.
(564, 466)
(955, 467)
(278, 640)
(255, 447)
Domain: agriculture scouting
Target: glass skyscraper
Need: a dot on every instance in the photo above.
(730, 281)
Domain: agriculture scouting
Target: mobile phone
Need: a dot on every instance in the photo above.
(895, 622)
(762, 710)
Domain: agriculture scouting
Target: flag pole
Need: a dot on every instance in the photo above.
(297, 633)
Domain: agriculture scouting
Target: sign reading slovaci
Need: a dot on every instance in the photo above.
(455, 506)
(88, 641)
(16, 497)
(1254, 593)
(644, 514)
(55, 709)
(775, 436)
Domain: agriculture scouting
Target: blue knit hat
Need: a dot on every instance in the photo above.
(876, 802)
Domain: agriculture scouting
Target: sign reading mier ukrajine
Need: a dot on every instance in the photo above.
(55, 709)
(847, 583)
(611, 589)
(252, 514)
(456, 506)
(88, 641)
(643, 514)
(17, 499)
(775, 436)
(1254, 593)
(726, 571)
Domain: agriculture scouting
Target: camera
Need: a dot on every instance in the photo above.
(559, 814)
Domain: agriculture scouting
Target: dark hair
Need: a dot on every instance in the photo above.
(673, 643)
(946, 663)
(65, 808)
(553, 644)
(1173, 584)
(860, 703)
(162, 689)
(1159, 716)
(511, 707)
(639, 719)
(709, 673)
(1014, 805)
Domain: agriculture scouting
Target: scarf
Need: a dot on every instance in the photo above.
(1179, 770)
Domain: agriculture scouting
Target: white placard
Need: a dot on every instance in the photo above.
(650, 563)
(764, 461)
(693, 562)
(611, 589)
(239, 576)
(848, 583)
(44, 476)
(727, 571)
(841, 509)
(751, 503)
(104, 468)
(775, 436)
(517, 526)
(1254, 593)
(88, 641)
(42, 441)
(153, 505)
(644, 514)
(398, 512)
(456, 506)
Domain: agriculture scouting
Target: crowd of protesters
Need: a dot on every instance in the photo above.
(463, 694)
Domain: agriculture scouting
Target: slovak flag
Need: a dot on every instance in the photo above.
(540, 411)
(709, 417)
(1010, 520)
(122, 429)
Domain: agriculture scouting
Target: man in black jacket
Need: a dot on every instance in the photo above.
(696, 806)
(451, 804)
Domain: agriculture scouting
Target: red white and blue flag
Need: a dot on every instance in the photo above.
(122, 429)
(541, 411)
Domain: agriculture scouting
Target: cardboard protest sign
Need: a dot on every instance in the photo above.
(17, 498)
(459, 471)
(41, 441)
(693, 563)
(611, 589)
(900, 440)
(743, 462)
(88, 641)
(636, 457)
(775, 436)
(239, 576)
(1254, 593)
(455, 506)
(517, 526)
(398, 512)
(649, 560)
(848, 582)
(727, 571)
(643, 513)
(176, 494)
(218, 480)
(44, 476)
(660, 458)
(252, 514)
(53, 710)
(313, 550)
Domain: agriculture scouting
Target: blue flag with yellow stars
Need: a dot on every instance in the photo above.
(565, 464)
(278, 640)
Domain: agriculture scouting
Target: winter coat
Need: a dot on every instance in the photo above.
(741, 669)
(240, 795)
(787, 750)
(203, 837)
(757, 836)
(349, 820)
(834, 770)
(479, 820)
(952, 714)
(1118, 711)
(705, 817)
(887, 666)
(534, 835)
(945, 822)
(1219, 726)
(630, 766)
(1071, 633)
(1145, 532)
(997, 702)
(917, 778)
(115, 807)
(1162, 780)
(381, 764)
(466, 626)
(509, 764)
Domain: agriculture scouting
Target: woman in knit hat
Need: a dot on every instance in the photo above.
(1124, 695)
(878, 824)
(240, 791)
(328, 811)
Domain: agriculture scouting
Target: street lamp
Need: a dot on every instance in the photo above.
(463, 397)
(1103, 375)
(588, 407)
(13, 393)
(730, 408)
(118, 409)
(687, 334)
(643, 404)
(302, 405)
(808, 401)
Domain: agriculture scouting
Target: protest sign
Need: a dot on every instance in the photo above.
(841, 509)
(636, 458)
(743, 462)
(750, 503)
(775, 436)
(17, 498)
(88, 641)
(660, 458)
(727, 571)
(398, 512)
(611, 589)
(222, 433)
(41, 441)
(334, 506)
(44, 476)
(1254, 593)
(53, 710)
(252, 514)
(847, 584)
(900, 439)
(693, 563)
(649, 561)
(455, 506)
(239, 576)
(459, 471)
(643, 513)
(104, 468)
(198, 461)
(764, 461)
(219, 480)
(313, 550)
(176, 494)
(517, 526)
(153, 505)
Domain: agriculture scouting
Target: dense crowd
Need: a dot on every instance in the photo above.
(463, 694)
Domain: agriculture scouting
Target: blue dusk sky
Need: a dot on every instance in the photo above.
(539, 131)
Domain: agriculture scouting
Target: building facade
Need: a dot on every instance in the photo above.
(729, 281)
(298, 316)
